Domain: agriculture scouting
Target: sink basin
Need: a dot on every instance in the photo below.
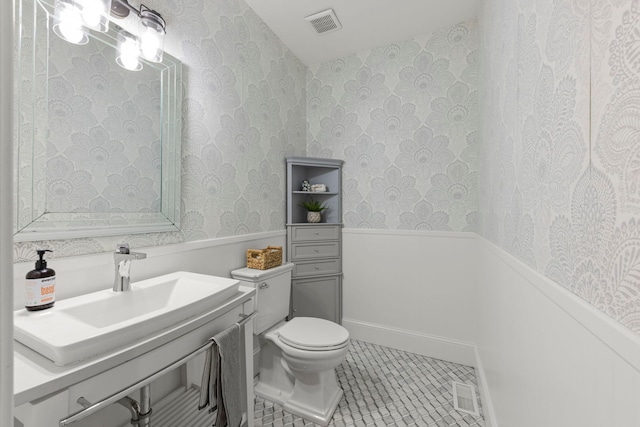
(93, 324)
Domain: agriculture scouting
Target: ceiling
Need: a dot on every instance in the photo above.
(365, 23)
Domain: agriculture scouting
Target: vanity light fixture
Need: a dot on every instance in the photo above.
(72, 18)
(151, 29)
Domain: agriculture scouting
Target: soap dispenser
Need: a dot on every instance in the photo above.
(40, 285)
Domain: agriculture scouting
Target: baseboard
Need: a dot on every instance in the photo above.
(413, 342)
(488, 413)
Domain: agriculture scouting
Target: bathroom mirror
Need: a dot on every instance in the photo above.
(98, 146)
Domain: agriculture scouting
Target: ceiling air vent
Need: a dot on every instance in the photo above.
(324, 22)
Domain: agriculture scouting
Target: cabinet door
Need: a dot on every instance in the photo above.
(317, 297)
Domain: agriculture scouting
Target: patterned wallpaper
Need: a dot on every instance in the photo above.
(560, 163)
(103, 144)
(243, 113)
(551, 175)
(404, 119)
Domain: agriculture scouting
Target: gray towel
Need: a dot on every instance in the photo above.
(222, 379)
(209, 375)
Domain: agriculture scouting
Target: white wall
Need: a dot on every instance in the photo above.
(549, 358)
(411, 290)
(90, 273)
(544, 357)
(558, 337)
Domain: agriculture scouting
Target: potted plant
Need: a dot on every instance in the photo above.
(314, 208)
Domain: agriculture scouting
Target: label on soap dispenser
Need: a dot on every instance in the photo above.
(40, 291)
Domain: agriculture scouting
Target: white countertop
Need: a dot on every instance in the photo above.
(36, 376)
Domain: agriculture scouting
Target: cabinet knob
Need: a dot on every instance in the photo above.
(316, 233)
(317, 268)
(316, 250)
(264, 285)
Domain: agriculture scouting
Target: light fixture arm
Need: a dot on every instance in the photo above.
(148, 16)
(121, 8)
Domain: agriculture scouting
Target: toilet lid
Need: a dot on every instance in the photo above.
(311, 333)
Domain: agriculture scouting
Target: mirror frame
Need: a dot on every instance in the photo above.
(32, 222)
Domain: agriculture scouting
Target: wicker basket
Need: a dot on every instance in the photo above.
(264, 259)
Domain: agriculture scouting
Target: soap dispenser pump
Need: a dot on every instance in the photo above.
(40, 285)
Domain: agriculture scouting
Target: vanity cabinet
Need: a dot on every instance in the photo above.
(315, 249)
(46, 393)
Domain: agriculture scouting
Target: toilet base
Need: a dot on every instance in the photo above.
(302, 386)
(318, 415)
(270, 393)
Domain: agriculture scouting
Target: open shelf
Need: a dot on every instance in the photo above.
(316, 171)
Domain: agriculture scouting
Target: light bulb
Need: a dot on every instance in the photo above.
(70, 32)
(150, 44)
(94, 14)
(68, 23)
(128, 54)
(91, 11)
(151, 30)
(130, 62)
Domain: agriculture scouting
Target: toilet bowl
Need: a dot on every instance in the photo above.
(297, 358)
(300, 375)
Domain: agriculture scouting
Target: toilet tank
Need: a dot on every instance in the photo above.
(273, 291)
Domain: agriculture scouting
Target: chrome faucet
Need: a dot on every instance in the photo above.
(123, 258)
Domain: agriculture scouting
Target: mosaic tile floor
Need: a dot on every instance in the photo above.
(387, 387)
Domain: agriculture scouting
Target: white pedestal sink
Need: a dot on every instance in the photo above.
(88, 325)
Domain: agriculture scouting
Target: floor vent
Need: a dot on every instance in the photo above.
(324, 22)
(464, 398)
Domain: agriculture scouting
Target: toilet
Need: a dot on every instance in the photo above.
(297, 358)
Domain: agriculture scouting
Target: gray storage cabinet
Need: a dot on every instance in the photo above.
(315, 248)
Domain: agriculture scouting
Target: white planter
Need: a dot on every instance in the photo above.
(313, 216)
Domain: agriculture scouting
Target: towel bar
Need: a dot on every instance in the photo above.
(88, 410)
(246, 317)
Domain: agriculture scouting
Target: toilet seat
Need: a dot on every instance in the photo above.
(313, 334)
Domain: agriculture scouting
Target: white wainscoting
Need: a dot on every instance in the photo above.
(90, 273)
(543, 356)
(548, 358)
(411, 290)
